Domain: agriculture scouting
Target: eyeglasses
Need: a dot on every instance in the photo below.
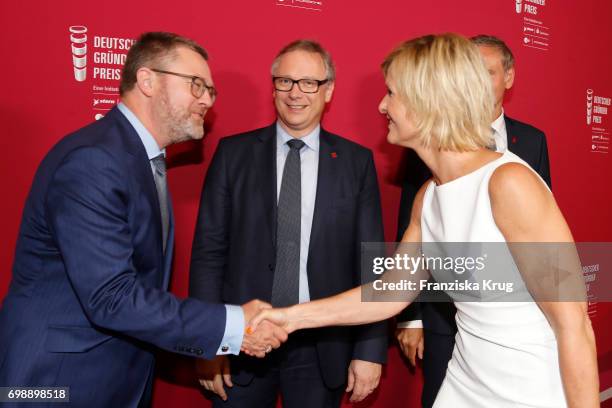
(305, 85)
(198, 86)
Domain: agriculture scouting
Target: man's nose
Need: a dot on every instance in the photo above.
(295, 92)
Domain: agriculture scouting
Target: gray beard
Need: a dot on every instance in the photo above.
(178, 124)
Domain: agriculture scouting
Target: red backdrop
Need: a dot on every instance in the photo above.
(563, 86)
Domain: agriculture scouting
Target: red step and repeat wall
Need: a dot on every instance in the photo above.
(62, 63)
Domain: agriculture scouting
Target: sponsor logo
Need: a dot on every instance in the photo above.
(589, 103)
(535, 33)
(98, 59)
(302, 4)
(596, 113)
(78, 43)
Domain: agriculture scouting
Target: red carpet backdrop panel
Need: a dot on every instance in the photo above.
(62, 61)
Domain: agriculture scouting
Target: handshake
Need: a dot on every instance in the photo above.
(264, 331)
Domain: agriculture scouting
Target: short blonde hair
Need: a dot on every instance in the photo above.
(447, 90)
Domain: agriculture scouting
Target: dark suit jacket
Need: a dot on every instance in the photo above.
(233, 257)
(527, 142)
(89, 279)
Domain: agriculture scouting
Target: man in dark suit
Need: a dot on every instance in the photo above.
(283, 212)
(427, 330)
(88, 300)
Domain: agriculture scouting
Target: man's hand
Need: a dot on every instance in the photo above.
(363, 378)
(250, 309)
(411, 342)
(267, 336)
(213, 373)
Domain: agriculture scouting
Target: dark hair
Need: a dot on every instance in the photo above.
(150, 50)
(308, 46)
(492, 41)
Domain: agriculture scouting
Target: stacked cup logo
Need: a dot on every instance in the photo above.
(589, 105)
(518, 5)
(78, 41)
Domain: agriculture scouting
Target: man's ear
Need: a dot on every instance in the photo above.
(509, 78)
(145, 81)
(329, 91)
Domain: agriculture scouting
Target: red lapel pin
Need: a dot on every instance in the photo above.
(513, 139)
(334, 155)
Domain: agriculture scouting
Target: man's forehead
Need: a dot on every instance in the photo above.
(190, 62)
(303, 61)
(490, 51)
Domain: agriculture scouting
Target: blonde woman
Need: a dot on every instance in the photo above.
(508, 354)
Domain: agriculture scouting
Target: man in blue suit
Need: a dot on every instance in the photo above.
(88, 301)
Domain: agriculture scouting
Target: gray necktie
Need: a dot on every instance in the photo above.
(159, 163)
(285, 289)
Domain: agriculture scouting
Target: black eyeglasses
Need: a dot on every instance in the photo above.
(305, 85)
(198, 86)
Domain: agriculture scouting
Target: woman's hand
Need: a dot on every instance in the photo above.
(279, 317)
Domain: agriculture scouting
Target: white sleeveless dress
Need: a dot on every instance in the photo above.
(506, 352)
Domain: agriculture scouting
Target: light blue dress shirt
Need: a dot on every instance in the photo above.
(234, 322)
(309, 169)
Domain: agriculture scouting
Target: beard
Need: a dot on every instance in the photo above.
(178, 122)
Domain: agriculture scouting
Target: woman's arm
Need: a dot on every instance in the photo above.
(528, 216)
(349, 308)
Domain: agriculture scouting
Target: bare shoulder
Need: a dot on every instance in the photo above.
(515, 181)
(523, 207)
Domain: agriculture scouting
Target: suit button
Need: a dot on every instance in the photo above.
(271, 267)
(225, 349)
(199, 351)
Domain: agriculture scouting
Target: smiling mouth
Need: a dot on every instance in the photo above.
(296, 107)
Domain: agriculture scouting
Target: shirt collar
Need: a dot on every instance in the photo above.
(498, 124)
(146, 137)
(311, 140)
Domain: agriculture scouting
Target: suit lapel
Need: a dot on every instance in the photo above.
(513, 139)
(326, 178)
(265, 163)
(144, 174)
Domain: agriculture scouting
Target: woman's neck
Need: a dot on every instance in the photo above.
(446, 165)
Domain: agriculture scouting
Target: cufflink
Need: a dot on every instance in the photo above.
(225, 349)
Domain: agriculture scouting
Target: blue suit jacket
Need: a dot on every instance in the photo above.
(88, 299)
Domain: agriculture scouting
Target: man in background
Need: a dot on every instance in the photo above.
(283, 212)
